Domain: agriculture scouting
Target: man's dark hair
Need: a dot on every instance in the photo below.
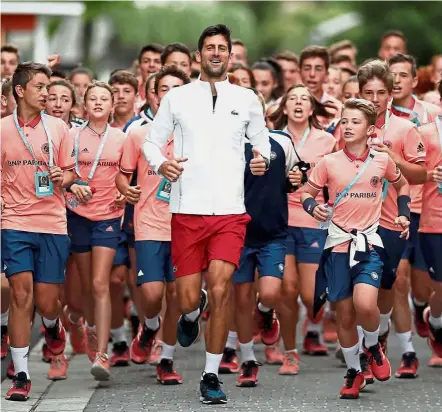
(151, 47)
(172, 48)
(240, 66)
(288, 56)
(404, 58)
(58, 73)
(25, 72)
(315, 51)
(7, 87)
(340, 58)
(124, 77)
(238, 42)
(10, 48)
(81, 70)
(348, 71)
(170, 71)
(219, 29)
(393, 33)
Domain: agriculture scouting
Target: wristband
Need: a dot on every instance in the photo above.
(309, 205)
(403, 203)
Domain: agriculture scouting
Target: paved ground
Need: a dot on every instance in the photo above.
(316, 388)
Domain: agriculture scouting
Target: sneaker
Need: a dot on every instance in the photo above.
(273, 354)
(366, 369)
(313, 345)
(120, 354)
(229, 362)
(78, 337)
(10, 372)
(435, 337)
(418, 316)
(166, 375)
(100, 367)
(435, 361)
(211, 392)
(92, 344)
(4, 342)
(383, 340)
(248, 377)
(380, 365)
(268, 325)
(55, 338)
(354, 382)
(58, 368)
(290, 364)
(141, 346)
(155, 354)
(188, 331)
(330, 328)
(20, 388)
(409, 366)
(46, 355)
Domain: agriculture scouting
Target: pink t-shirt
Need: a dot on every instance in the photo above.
(318, 144)
(431, 217)
(23, 209)
(102, 204)
(152, 216)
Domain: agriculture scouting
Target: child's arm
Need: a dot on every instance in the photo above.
(403, 203)
(311, 206)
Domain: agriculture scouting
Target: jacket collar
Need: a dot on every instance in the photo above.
(218, 85)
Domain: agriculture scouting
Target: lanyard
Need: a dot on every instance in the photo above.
(415, 115)
(26, 143)
(97, 156)
(303, 138)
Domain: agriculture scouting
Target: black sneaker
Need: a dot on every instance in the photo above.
(211, 392)
(120, 354)
(188, 331)
(20, 388)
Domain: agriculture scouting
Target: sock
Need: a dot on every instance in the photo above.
(213, 361)
(371, 338)
(384, 323)
(292, 351)
(192, 316)
(4, 318)
(20, 359)
(167, 351)
(49, 323)
(405, 342)
(436, 322)
(263, 308)
(314, 327)
(418, 303)
(90, 328)
(247, 353)
(361, 337)
(152, 324)
(119, 334)
(351, 356)
(232, 338)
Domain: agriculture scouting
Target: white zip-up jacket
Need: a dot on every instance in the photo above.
(212, 137)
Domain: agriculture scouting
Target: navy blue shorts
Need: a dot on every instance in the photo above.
(86, 234)
(268, 259)
(341, 280)
(122, 254)
(306, 244)
(154, 261)
(43, 254)
(432, 251)
(413, 251)
(392, 253)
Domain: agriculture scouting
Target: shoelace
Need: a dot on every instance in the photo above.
(408, 361)
(19, 384)
(364, 362)
(350, 378)
(166, 366)
(101, 357)
(229, 354)
(291, 359)
(58, 361)
(375, 352)
(214, 384)
(146, 340)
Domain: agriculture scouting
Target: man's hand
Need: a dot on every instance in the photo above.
(295, 176)
(258, 165)
(81, 192)
(172, 169)
(120, 201)
(321, 213)
(53, 60)
(436, 174)
(405, 224)
(133, 194)
(56, 175)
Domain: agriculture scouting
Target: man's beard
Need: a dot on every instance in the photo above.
(214, 72)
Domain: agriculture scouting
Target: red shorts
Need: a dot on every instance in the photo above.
(196, 240)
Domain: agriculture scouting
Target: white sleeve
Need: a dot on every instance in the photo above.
(256, 128)
(162, 128)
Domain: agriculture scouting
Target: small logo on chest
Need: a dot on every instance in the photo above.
(234, 113)
(273, 156)
(374, 181)
(45, 148)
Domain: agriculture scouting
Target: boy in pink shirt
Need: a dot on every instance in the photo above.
(152, 239)
(350, 271)
(125, 87)
(36, 162)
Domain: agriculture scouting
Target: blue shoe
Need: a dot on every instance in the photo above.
(188, 331)
(211, 392)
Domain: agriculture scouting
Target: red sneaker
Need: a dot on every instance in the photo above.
(354, 382)
(435, 336)
(141, 346)
(366, 369)
(435, 361)
(229, 362)
(155, 354)
(4, 342)
(58, 368)
(20, 388)
(421, 326)
(409, 366)
(268, 326)
(55, 338)
(330, 328)
(100, 367)
(92, 344)
(46, 355)
(120, 354)
(10, 372)
(380, 365)
(313, 345)
(166, 375)
(290, 364)
(78, 337)
(273, 354)
(249, 374)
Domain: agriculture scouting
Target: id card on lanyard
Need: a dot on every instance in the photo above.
(43, 185)
(439, 132)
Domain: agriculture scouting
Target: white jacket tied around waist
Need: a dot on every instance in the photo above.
(212, 138)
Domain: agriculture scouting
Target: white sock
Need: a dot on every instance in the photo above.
(20, 359)
(263, 308)
(90, 328)
(49, 323)
(292, 351)
(418, 303)
(119, 334)
(247, 353)
(436, 322)
(314, 327)
(371, 338)
(213, 361)
(232, 338)
(351, 356)
(4, 318)
(405, 342)
(384, 323)
(152, 324)
(167, 351)
(361, 337)
(192, 316)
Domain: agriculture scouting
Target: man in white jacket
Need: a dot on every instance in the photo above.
(209, 119)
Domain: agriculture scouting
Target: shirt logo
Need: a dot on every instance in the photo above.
(175, 269)
(110, 229)
(85, 150)
(374, 276)
(431, 270)
(374, 181)
(73, 153)
(420, 147)
(388, 143)
(314, 244)
(45, 148)
(140, 273)
(281, 267)
(234, 112)
(273, 156)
